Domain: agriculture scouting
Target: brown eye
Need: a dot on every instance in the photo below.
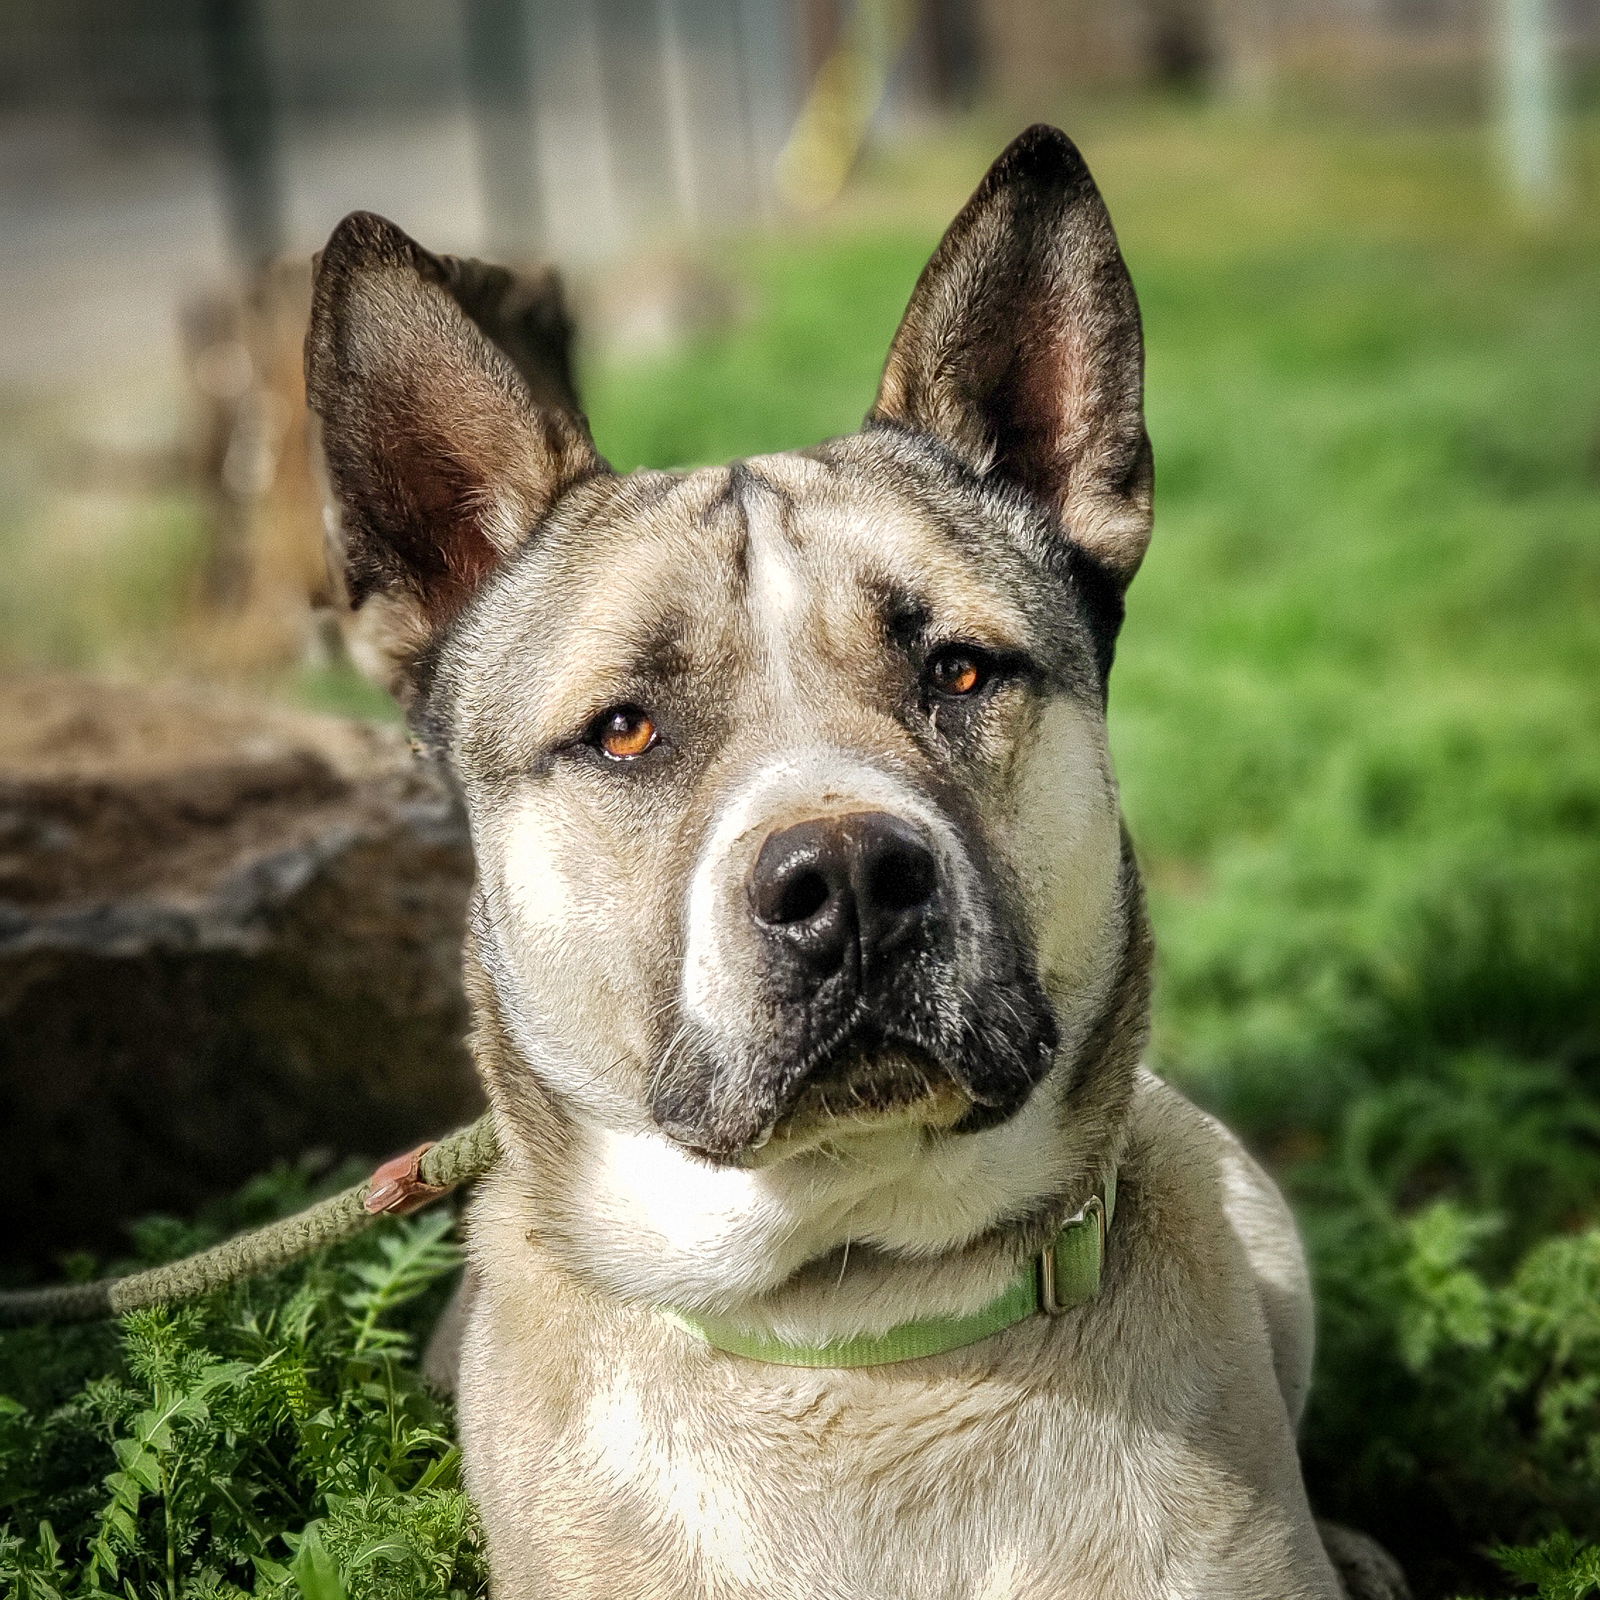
(624, 732)
(956, 672)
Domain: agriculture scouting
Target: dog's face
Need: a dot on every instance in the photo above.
(788, 780)
(780, 776)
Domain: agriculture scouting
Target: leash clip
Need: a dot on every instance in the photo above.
(396, 1189)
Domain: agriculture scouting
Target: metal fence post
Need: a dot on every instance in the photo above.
(500, 81)
(243, 124)
(1529, 112)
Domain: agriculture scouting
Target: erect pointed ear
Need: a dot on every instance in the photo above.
(1021, 350)
(441, 461)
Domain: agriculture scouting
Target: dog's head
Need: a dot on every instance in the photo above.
(788, 780)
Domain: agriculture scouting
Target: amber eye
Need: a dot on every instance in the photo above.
(624, 732)
(956, 671)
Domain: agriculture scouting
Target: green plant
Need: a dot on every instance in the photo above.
(274, 1441)
(1557, 1568)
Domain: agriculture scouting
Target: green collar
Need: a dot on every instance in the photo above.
(1064, 1274)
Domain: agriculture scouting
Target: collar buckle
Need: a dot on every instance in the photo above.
(1050, 1302)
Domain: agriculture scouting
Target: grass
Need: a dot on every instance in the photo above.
(1356, 718)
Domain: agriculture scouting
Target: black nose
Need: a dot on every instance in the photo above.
(837, 889)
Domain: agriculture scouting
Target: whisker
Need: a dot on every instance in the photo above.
(678, 1038)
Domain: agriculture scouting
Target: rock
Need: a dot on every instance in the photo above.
(229, 933)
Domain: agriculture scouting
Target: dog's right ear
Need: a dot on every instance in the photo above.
(441, 463)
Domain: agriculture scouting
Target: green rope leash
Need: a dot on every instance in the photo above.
(398, 1186)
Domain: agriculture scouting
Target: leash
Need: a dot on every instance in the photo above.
(1064, 1275)
(401, 1185)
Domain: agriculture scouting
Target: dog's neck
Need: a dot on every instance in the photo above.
(851, 1239)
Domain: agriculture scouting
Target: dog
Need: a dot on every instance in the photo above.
(840, 1246)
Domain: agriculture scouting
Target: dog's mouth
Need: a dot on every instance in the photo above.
(862, 1081)
(863, 1092)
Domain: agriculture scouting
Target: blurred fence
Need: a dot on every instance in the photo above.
(593, 121)
(596, 122)
(160, 158)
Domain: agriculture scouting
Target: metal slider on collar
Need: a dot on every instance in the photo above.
(1050, 1301)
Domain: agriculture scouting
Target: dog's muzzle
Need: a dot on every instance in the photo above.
(871, 1011)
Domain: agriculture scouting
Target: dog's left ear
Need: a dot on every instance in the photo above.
(1021, 350)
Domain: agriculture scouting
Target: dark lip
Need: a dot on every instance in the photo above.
(877, 1091)
(848, 1098)
(994, 1072)
(883, 1077)
(845, 1065)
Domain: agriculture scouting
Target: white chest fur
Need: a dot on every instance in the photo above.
(668, 1229)
(1140, 1448)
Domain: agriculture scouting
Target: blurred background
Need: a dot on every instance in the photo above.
(1357, 704)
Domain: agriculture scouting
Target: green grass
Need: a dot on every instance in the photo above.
(1357, 717)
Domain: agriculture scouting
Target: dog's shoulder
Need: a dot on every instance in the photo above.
(1198, 1188)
